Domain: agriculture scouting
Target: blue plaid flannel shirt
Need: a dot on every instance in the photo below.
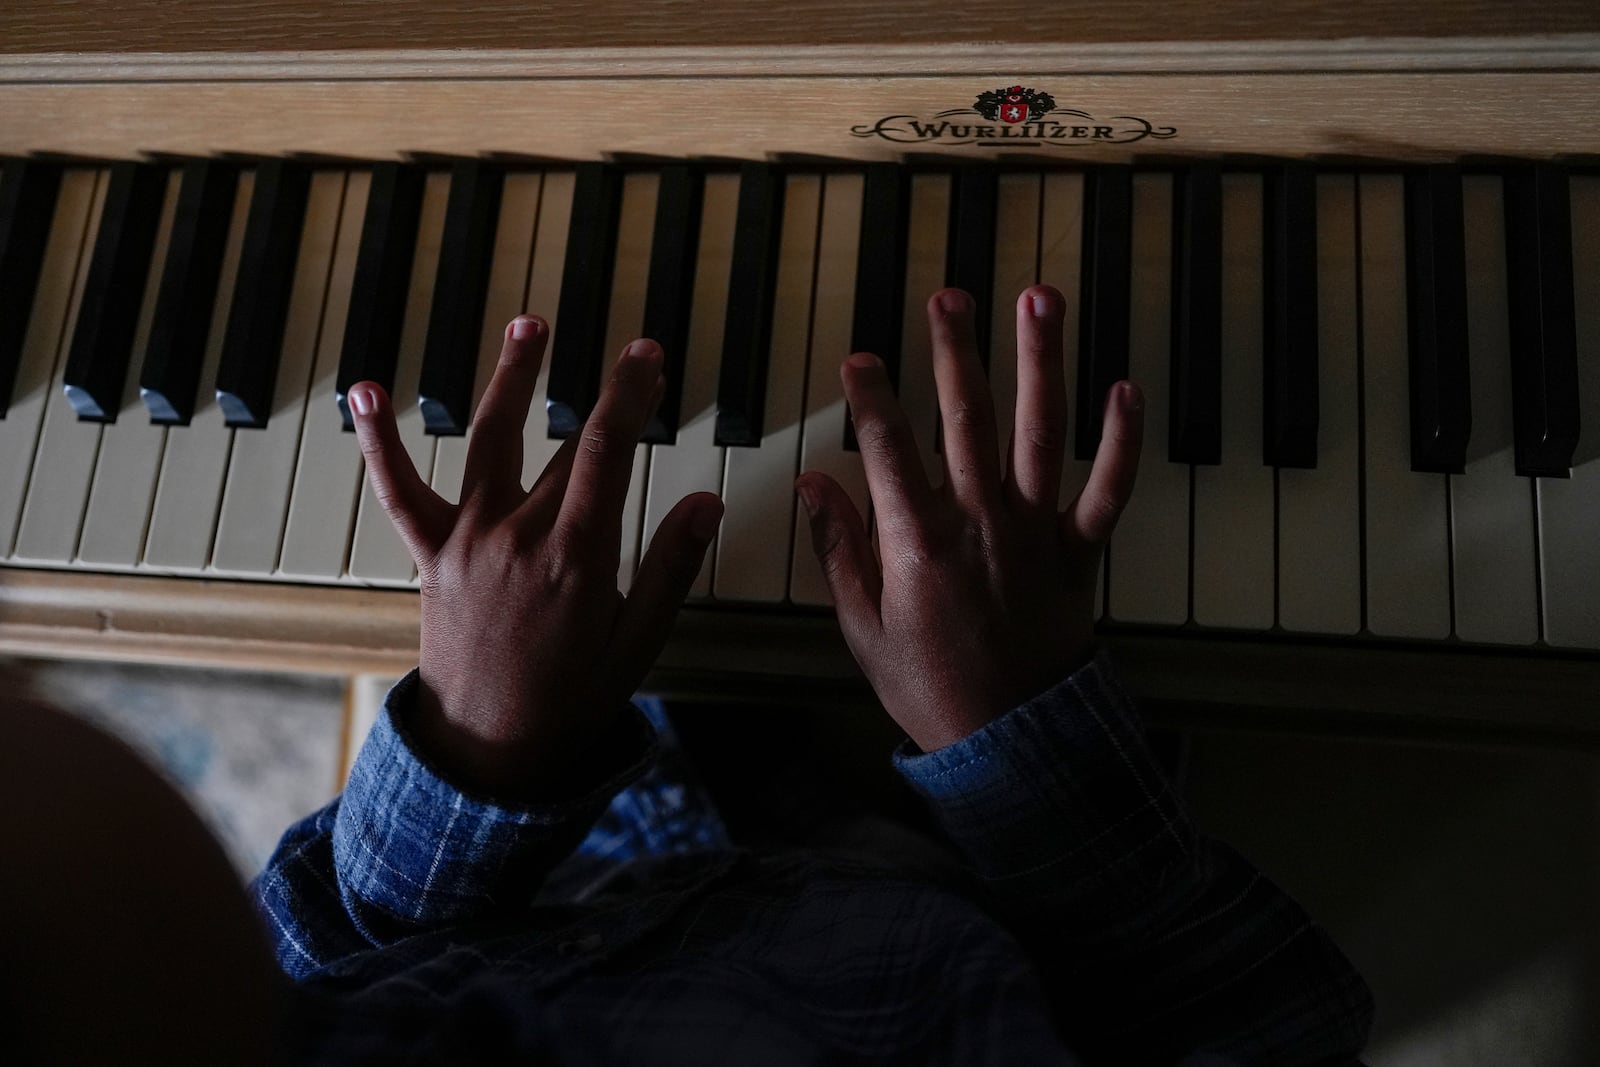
(1086, 920)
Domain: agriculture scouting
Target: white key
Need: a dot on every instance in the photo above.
(1234, 558)
(1060, 252)
(61, 272)
(1319, 511)
(822, 434)
(377, 554)
(925, 252)
(1491, 508)
(255, 500)
(328, 465)
(508, 288)
(694, 463)
(1569, 508)
(544, 297)
(52, 512)
(1149, 554)
(753, 548)
(130, 448)
(1016, 266)
(184, 518)
(630, 279)
(1407, 535)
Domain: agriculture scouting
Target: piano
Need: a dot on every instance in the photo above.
(1357, 277)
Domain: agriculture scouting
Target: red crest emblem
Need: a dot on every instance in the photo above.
(1013, 106)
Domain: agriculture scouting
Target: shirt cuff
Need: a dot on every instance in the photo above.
(1060, 799)
(410, 844)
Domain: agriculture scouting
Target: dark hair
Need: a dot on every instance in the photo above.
(126, 934)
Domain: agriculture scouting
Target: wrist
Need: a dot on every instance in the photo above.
(508, 752)
(937, 726)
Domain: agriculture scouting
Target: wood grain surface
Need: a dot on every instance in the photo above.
(1358, 116)
(266, 25)
(773, 659)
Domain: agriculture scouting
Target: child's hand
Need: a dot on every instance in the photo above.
(985, 596)
(529, 653)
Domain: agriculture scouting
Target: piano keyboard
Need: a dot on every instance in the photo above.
(1373, 398)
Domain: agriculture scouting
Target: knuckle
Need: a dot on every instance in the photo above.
(970, 415)
(1045, 436)
(387, 500)
(562, 548)
(879, 434)
(913, 540)
(372, 449)
(912, 557)
(599, 438)
(560, 567)
(832, 553)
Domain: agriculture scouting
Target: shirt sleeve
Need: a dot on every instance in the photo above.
(1154, 941)
(403, 850)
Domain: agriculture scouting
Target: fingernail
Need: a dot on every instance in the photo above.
(1128, 397)
(524, 328)
(808, 497)
(955, 302)
(363, 401)
(705, 522)
(1041, 305)
(862, 360)
(640, 349)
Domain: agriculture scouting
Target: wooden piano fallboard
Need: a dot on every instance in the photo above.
(1413, 100)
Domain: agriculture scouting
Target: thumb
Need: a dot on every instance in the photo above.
(666, 574)
(839, 538)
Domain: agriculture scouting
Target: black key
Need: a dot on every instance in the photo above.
(1436, 311)
(747, 330)
(577, 356)
(674, 251)
(1195, 431)
(1103, 307)
(1289, 339)
(113, 292)
(176, 347)
(969, 248)
(28, 190)
(881, 273)
(455, 323)
(259, 308)
(382, 279)
(1544, 346)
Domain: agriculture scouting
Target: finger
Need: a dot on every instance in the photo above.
(666, 574)
(551, 485)
(494, 457)
(603, 464)
(839, 539)
(1040, 434)
(901, 496)
(1094, 514)
(966, 409)
(420, 516)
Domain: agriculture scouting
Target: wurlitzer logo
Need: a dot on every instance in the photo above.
(1014, 117)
